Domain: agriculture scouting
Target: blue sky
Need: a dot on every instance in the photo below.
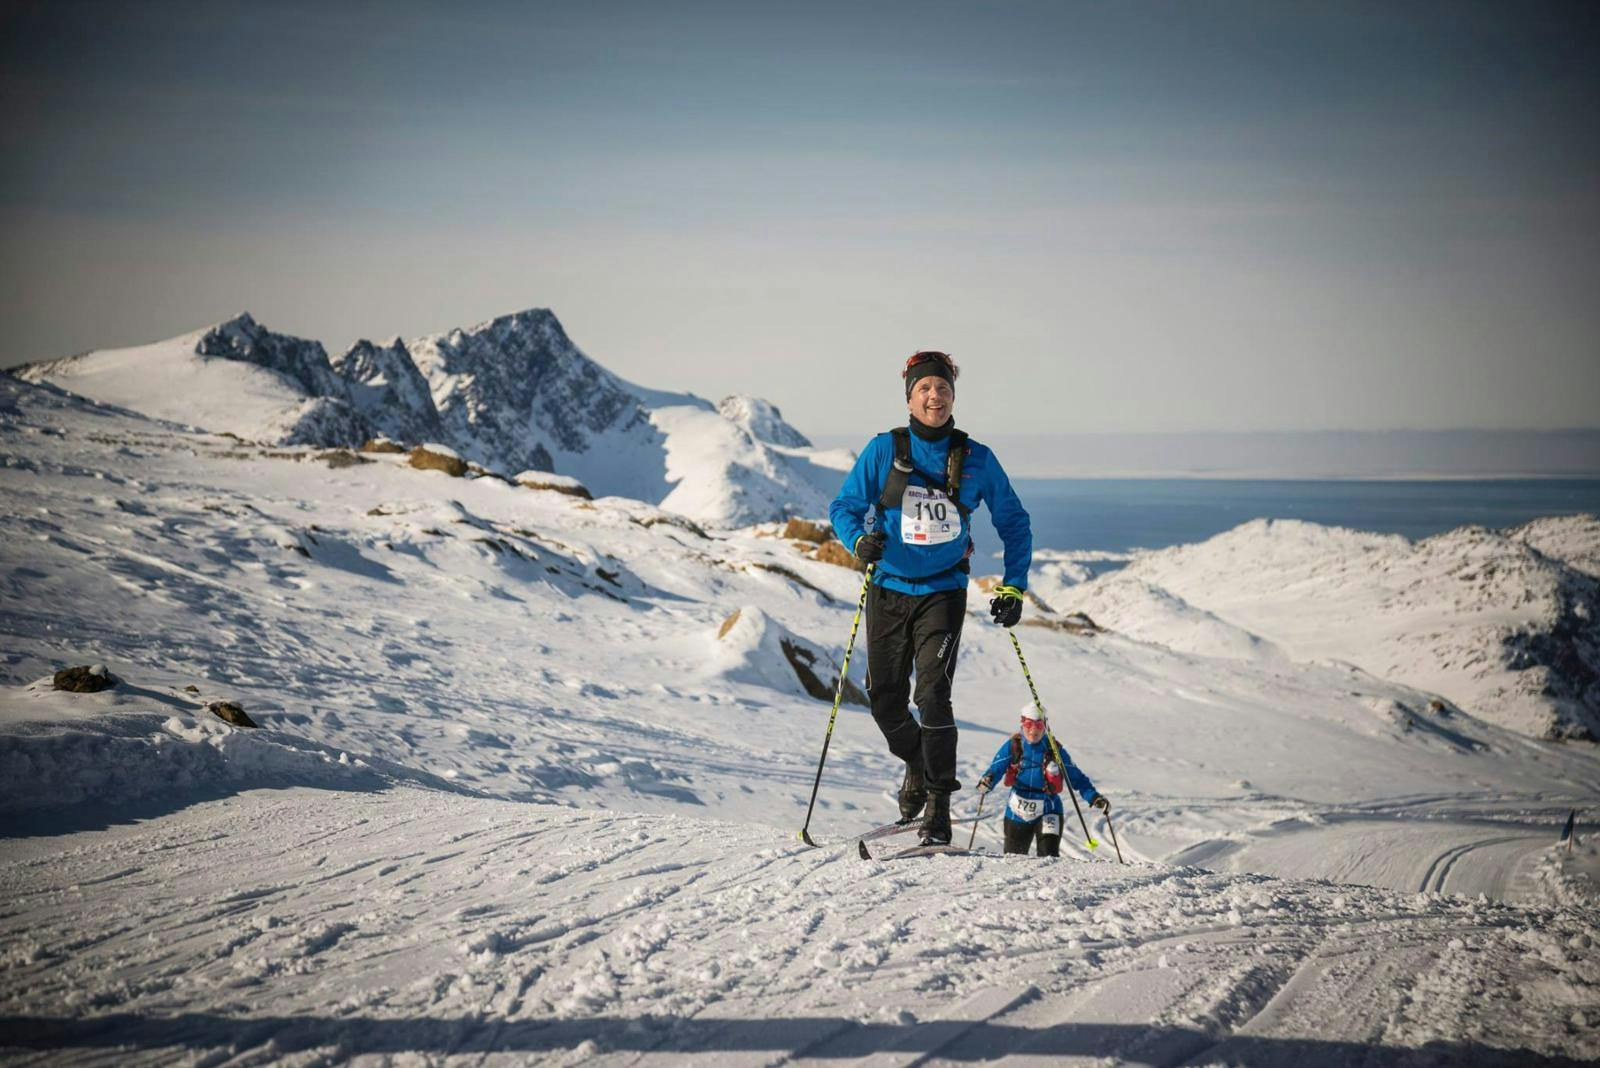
(1121, 217)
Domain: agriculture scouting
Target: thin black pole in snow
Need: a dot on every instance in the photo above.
(838, 695)
(1054, 749)
(1113, 829)
(973, 837)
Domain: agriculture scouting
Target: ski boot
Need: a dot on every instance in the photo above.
(913, 791)
(936, 821)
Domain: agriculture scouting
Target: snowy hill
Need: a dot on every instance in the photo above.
(234, 377)
(513, 394)
(1498, 622)
(526, 788)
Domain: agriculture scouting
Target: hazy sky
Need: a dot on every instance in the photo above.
(1120, 216)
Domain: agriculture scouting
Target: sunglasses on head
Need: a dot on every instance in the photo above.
(928, 356)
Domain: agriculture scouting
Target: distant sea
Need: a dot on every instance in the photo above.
(1152, 513)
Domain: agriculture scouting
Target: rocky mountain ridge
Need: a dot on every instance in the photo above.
(513, 394)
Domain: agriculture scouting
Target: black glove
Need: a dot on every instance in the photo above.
(985, 784)
(1006, 607)
(1102, 803)
(869, 548)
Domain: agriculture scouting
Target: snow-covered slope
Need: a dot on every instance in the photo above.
(513, 798)
(1572, 539)
(512, 394)
(235, 377)
(1497, 622)
(411, 927)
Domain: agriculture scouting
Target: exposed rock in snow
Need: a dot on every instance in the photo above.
(390, 393)
(232, 712)
(382, 444)
(316, 421)
(549, 480)
(87, 678)
(753, 647)
(435, 457)
(513, 386)
(303, 362)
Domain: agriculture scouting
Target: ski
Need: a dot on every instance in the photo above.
(914, 851)
(902, 827)
(888, 829)
(897, 827)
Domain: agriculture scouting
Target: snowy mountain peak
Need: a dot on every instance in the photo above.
(303, 362)
(513, 393)
(514, 387)
(762, 420)
(385, 387)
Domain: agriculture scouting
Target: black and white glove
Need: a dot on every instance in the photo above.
(869, 548)
(1102, 803)
(985, 784)
(1006, 606)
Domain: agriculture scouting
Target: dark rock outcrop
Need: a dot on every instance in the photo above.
(85, 679)
(231, 712)
(426, 459)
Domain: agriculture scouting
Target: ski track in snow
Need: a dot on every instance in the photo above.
(512, 801)
(418, 923)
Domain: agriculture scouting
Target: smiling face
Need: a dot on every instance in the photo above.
(932, 401)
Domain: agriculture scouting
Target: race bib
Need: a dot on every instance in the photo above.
(927, 517)
(1027, 810)
(1051, 825)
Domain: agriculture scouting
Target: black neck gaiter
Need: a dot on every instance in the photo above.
(932, 433)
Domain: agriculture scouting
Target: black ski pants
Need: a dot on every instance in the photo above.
(906, 631)
(1019, 837)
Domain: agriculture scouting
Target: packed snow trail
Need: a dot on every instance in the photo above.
(307, 926)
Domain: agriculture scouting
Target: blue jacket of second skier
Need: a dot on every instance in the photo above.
(920, 569)
(1030, 770)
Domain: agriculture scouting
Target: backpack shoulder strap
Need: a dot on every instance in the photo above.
(894, 487)
(955, 460)
(1016, 751)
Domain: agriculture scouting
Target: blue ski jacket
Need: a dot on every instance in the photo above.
(922, 569)
(1030, 774)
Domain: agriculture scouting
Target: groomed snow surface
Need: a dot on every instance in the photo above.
(513, 799)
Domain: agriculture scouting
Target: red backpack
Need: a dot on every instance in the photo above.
(1016, 763)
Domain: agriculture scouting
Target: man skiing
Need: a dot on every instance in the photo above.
(907, 506)
(1026, 763)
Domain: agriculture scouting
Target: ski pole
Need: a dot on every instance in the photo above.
(1112, 828)
(973, 837)
(1054, 749)
(838, 695)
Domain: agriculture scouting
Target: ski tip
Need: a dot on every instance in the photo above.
(861, 849)
(805, 836)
